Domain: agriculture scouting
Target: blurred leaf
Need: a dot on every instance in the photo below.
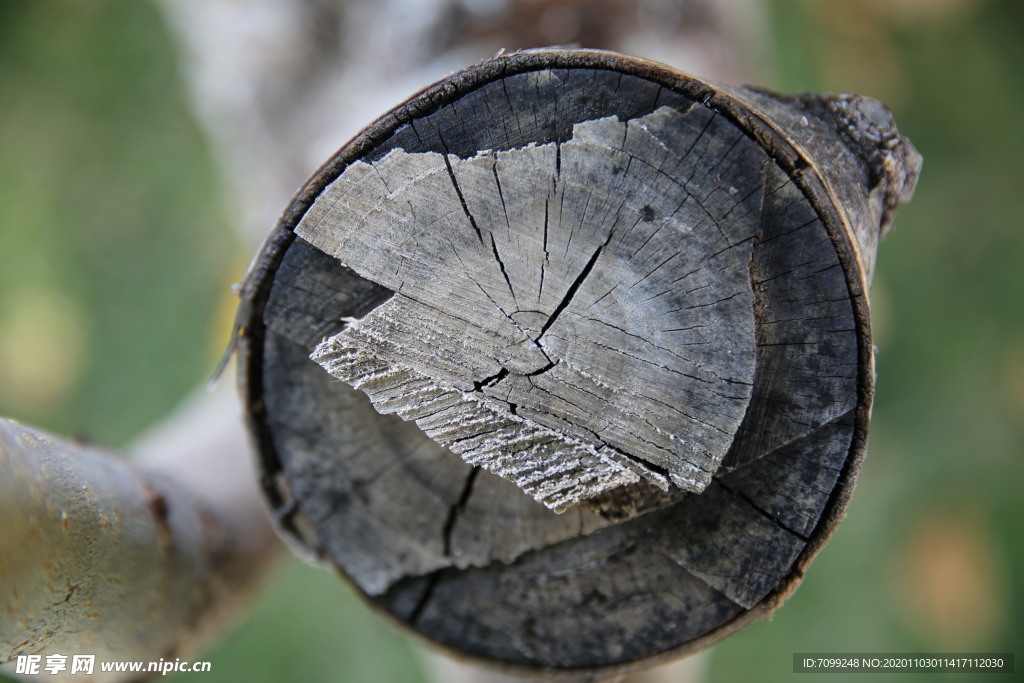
(108, 203)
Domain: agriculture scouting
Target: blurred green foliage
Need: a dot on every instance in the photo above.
(112, 252)
(111, 230)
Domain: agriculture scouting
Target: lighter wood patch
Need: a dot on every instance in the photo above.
(572, 316)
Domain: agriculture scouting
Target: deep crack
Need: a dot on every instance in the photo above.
(462, 199)
(573, 288)
(460, 505)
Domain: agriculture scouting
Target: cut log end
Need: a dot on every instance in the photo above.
(569, 281)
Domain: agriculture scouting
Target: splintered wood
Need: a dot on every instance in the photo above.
(570, 316)
(566, 362)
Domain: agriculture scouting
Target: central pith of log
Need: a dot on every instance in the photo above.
(546, 323)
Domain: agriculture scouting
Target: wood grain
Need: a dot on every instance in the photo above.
(565, 280)
(620, 357)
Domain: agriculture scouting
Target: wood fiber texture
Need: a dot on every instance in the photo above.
(565, 363)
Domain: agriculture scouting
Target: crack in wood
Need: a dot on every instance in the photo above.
(428, 593)
(462, 200)
(570, 293)
(501, 265)
(457, 508)
(560, 384)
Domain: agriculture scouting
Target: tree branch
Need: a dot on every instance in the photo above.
(128, 560)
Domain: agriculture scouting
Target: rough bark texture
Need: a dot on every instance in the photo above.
(128, 560)
(572, 279)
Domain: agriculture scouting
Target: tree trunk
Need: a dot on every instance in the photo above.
(604, 349)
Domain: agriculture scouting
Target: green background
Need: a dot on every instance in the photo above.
(116, 256)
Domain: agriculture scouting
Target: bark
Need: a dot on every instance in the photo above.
(136, 559)
(593, 285)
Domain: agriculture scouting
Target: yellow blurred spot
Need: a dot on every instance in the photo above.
(924, 12)
(881, 313)
(860, 55)
(952, 580)
(223, 317)
(43, 344)
(1013, 378)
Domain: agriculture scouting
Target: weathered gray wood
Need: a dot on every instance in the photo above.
(336, 449)
(345, 463)
(807, 348)
(609, 313)
(599, 588)
(788, 484)
(636, 296)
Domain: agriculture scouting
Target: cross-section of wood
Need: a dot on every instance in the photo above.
(547, 326)
(566, 361)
